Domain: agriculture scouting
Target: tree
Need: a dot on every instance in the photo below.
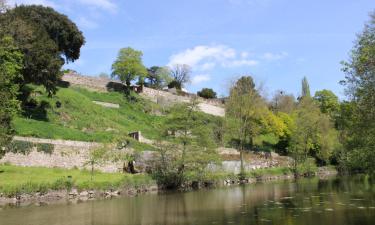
(158, 77)
(129, 66)
(190, 147)
(305, 88)
(244, 113)
(312, 134)
(282, 102)
(360, 88)
(96, 157)
(207, 93)
(47, 40)
(180, 74)
(328, 102)
(10, 68)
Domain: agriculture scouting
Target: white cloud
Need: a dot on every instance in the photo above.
(197, 79)
(101, 4)
(86, 23)
(274, 56)
(202, 57)
(241, 62)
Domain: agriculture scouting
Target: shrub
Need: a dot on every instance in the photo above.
(45, 147)
(307, 168)
(207, 93)
(175, 84)
(23, 147)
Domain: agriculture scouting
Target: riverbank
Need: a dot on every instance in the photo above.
(23, 186)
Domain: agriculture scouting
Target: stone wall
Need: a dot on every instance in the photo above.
(209, 106)
(66, 154)
(74, 154)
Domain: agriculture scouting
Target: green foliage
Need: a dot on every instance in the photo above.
(244, 111)
(312, 134)
(307, 168)
(45, 147)
(96, 157)
(129, 66)
(277, 171)
(360, 87)
(10, 67)
(206, 93)
(158, 77)
(78, 118)
(189, 150)
(175, 84)
(23, 147)
(16, 180)
(47, 39)
(328, 102)
(305, 88)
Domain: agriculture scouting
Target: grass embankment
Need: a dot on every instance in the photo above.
(18, 180)
(72, 115)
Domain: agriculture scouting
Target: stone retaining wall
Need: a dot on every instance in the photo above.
(209, 106)
(66, 154)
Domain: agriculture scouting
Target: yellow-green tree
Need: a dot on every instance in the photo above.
(129, 66)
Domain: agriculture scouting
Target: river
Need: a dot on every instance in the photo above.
(337, 201)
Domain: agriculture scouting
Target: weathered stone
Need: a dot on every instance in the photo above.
(73, 193)
(84, 194)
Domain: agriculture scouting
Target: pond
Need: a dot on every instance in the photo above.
(341, 200)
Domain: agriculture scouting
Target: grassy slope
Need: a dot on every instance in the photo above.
(15, 179)
(79, 118)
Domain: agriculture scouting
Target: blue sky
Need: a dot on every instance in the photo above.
(276, 41)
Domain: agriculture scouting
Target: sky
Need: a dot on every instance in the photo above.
(277, 42)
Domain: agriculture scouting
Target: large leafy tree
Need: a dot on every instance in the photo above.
(10, 68)
(47, 40)
(245, 110)
(129, 66)
(190, 148)
(313, 134)
(328, 102)
(158, 77)
(360, 84)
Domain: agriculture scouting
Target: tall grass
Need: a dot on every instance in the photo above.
(16, 180)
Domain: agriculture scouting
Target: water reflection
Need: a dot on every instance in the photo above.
(310, 201)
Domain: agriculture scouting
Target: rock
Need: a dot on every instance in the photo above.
(153, 188)
(83, 194)
(91, 194)
(73, 193)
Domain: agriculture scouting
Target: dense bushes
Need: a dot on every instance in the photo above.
(207, 93)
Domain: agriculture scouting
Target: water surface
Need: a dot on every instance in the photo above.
(337, 201)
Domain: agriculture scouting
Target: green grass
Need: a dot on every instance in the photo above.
(79, 118)
(15, 180)
(276, 171)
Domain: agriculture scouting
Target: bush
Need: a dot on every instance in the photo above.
(23, 147)
(175, 84)
(45, 147)
(307, 168)
(207, 93)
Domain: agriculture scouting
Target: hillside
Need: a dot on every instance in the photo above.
(77, 113)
